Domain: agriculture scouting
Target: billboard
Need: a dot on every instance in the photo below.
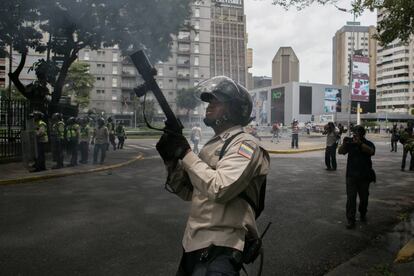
(360, 79)
(260, 107)
(332, 100)
(277, 105)
(305, 100)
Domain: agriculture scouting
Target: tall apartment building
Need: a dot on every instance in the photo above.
(395, 76)
(3, 72)
(285, 66)
(228, 40)
(365, 44)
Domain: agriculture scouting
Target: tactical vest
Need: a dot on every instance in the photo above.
(72, 132)
(84, 132)
(58, 130)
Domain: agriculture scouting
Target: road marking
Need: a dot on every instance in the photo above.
(137, 147)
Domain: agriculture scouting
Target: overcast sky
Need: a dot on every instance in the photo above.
(309, 32)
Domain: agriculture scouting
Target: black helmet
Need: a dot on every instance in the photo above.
(57, 116)
(71, 120)
(37, 115)
(225, 89)
(101, 121)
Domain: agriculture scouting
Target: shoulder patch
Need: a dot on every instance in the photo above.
(246, 150)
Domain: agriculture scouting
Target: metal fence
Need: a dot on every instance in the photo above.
(13, 115)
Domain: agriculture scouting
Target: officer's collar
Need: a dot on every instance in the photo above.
(230, 132)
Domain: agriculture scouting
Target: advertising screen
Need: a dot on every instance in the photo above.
(332, 100)
(305, 100)
(278, 105)
(360, 79)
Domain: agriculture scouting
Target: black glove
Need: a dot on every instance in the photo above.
(172, 146)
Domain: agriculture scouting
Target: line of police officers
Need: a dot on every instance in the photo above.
(74, 136)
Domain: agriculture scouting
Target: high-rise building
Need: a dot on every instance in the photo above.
(285, 66)
(365, 45)
(395, 76)
(228, 40)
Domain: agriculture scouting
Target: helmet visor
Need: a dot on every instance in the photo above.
(221, 88)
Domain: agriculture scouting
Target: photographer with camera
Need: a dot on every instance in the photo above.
(359, 173)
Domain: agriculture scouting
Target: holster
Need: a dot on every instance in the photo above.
(252, 249)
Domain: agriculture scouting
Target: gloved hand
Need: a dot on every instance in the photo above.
(172, 146)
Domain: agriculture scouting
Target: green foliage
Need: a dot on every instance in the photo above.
(74, 25)
(15, 94)
(186, 99)
(148, 107)
(79, 83)
(398, 21)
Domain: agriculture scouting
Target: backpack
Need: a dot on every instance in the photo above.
(256, 203)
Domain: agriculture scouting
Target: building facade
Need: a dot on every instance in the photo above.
(228, 40)
(395, 76)
(364, 45)
(285, 66)
(302, 101)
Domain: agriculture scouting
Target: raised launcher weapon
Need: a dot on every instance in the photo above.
(147, 71)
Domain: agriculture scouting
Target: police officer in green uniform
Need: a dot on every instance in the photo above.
(57, 137)
(231, 164)
(41, 141)
(111, 128)
(72, 136)
(85, 137)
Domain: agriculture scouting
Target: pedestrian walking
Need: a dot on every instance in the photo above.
(395, 136)
(57, 137)
(331, 144)
(407, 141)
(196, 137)
(72, 138)
(100, 141)
(295, 134)
(276, 132)
(120, 133)
(221, 224)
(84, 140)
(111, 129)
(41, 141)
(359, 173)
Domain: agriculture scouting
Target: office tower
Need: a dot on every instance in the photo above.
(285, 66)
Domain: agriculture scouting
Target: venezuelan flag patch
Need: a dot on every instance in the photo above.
(246, 150)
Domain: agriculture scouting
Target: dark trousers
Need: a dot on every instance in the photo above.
(40, 162)
(112, 140)
(356, 187)
(404, 158)
(84, 150)
(99, 148)
(73, 149)
(330, 157)
(295, 140)
(195, 148)
(121, 141)
(57, 150)
(394, 145)
(220, 262)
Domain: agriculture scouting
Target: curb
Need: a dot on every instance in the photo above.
(50, 176)
(294, 151)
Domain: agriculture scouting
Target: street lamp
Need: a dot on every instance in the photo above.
(351, 54)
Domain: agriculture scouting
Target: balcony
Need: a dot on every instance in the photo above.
(185, 39)
(127, 74)
(183, 76)
(185, 64)
(184, 51)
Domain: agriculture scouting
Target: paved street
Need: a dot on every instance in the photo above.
(123, 222)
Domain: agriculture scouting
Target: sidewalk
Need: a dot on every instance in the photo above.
(17, 172)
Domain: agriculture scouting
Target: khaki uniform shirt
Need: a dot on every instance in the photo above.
(101, 135)
(218, 216)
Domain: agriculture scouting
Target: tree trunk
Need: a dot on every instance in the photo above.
(14, 77)
(57, 92)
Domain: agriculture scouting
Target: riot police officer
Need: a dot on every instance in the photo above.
(72, 136)
(222, 182)
(41, 141)
(57, 137)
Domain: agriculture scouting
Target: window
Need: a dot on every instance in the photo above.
(114, 82)
(170, 80)
(100, 91)
(195, 72)
(171, 68)
(160, 71)
(114, 70)
(197, 25)
(100, 78)
(196, 48)
(160, 83)
(196, 61)
(114, 98)
(86, 56)
(100, 52)
(197, 12)
(197, 37)
(114, 57)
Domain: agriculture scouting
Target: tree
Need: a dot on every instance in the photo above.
(79, 83)
(398, 21)
(74, 25)
(186, 99)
